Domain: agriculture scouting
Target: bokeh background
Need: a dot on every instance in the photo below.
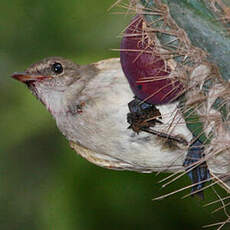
(43, 183)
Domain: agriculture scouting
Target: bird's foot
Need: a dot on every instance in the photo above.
(142, 115)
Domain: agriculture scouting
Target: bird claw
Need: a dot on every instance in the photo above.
(142, 115)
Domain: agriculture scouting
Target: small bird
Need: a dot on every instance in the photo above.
(90, 106)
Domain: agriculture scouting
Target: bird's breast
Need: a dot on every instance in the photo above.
(101, 127)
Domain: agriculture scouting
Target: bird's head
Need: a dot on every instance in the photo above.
(49, 79)
(54, 73)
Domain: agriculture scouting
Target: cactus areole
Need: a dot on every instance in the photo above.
(147, 73)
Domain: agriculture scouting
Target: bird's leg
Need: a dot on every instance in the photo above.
(196, 169)
(142, 115)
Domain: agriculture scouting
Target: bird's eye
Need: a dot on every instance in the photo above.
(57, 68)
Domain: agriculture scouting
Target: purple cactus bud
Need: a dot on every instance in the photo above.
(147, 73)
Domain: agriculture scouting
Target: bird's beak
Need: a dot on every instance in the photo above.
(26, 78)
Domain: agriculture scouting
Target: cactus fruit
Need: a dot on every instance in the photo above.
(147, 73)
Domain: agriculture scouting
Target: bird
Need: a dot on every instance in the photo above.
(90, 106)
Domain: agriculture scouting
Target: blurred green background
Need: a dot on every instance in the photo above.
(43, 183)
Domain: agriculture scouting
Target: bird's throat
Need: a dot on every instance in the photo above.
(52, 99)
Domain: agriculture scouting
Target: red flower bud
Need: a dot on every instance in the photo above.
(147, 73)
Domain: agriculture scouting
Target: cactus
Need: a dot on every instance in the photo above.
(192, 38)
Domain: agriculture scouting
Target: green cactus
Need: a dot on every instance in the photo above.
(193, 37)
